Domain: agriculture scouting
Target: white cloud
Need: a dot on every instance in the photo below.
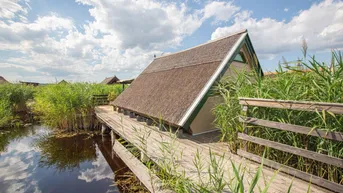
(321, 25)
(99, 171)
(221, 11)
(123, 37)
(285, 10)
(11, 8)
(125, 34)
(146, 24)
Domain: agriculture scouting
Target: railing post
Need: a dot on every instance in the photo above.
(114, 136)
(105, 129)
(244, 115)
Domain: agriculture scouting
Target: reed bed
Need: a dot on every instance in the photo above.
(70, 106)
(316, 82)
(13, 99)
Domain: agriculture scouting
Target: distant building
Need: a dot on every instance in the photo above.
(3, 80)
(29, 83)
(63, 82)
(110, 80)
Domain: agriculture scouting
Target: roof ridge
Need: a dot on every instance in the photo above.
(203, 44)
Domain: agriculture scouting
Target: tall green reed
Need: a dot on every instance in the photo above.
(316, 82)
(70, 106)
(13, 99)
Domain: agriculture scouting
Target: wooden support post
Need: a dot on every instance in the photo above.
(149, 121)
(244, 114)
(132, 115)
(114, 136)
(179, 132)
(105, 129)
(140, 118)
(144, 157)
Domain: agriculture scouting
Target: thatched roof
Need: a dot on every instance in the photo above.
(3, 80)
(170, 85)
(126, 81)
(110, 80)
(63, 82)
(29, 83)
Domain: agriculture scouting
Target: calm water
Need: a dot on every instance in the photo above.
(31, 161)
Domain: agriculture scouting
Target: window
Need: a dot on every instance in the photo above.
(240, 58)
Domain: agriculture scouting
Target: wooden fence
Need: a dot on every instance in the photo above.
(100, 100)
(334, 108)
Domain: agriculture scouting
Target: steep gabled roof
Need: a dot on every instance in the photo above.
(3, 80)
(63, 82)
(172, 86)
(110, 80)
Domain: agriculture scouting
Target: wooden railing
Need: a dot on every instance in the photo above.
(100, 100)
(334, 108)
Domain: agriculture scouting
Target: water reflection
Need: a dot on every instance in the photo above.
(8, 135)
(34, 162)
(66, 153)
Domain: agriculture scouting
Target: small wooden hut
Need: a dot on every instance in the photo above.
(125, 82)
(110, 80)
(177, 87)
(63, 82)
(29, 83)
(3, 80)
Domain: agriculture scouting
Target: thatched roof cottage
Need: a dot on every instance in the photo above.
(176, 87)
(3, 80)
(29, 83)
(63, 82)
(110, 80)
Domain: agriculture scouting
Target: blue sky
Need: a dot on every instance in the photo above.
(87, 40)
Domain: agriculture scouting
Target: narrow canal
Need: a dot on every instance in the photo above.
(32, 160)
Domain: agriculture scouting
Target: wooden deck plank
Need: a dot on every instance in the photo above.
(131, 130)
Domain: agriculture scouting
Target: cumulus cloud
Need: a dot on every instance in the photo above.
(146, 24)
(221, 11)
(124, 36)
(99, 171)
(10, 8)
(321, 25)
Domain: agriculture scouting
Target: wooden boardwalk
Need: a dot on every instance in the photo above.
(184, 149)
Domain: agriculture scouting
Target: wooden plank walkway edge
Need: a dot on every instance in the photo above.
(150, 180)
(291, 171)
